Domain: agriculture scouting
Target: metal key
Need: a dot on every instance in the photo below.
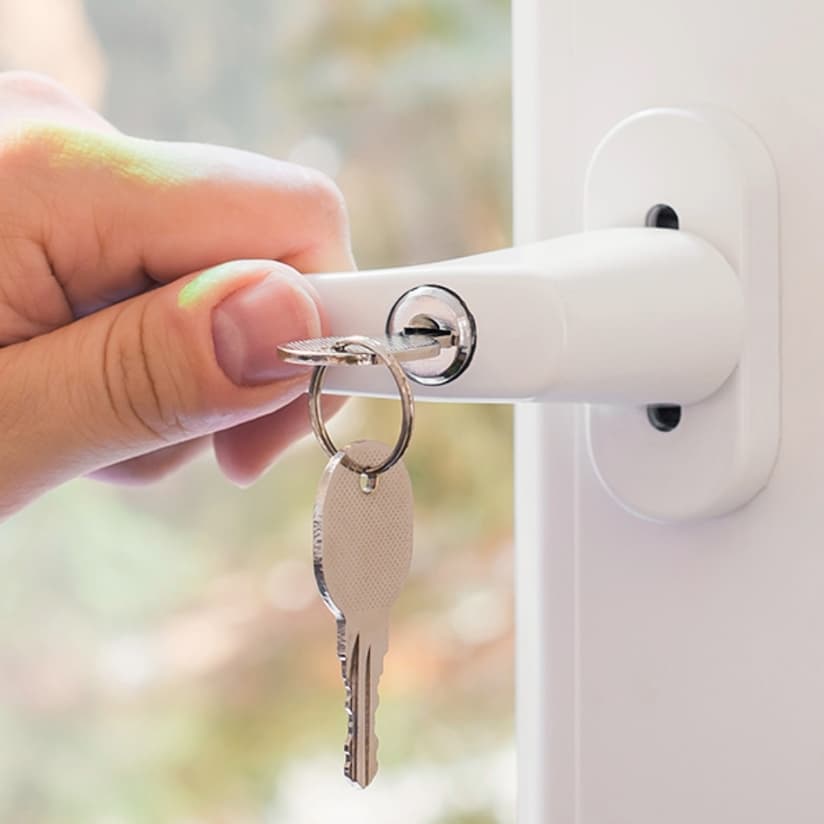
(413, 345)
(362, 532)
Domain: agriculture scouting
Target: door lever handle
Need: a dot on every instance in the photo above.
(622, 318)
(623, 315)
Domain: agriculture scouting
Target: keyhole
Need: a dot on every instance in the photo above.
(663, 416)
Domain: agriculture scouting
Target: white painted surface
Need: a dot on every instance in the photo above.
(719, 176)
(672, 674)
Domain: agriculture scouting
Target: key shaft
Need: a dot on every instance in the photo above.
(362, 665)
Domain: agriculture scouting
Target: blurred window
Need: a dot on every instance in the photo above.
(165, 657)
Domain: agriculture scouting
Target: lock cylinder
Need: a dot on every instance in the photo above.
(437, 312)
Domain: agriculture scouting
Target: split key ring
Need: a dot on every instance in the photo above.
(359, 349)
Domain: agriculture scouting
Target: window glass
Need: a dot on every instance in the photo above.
(165, 656)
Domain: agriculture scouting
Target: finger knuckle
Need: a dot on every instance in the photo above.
(327, 202)
(146, 394)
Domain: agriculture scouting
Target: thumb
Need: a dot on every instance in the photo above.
(180, 361)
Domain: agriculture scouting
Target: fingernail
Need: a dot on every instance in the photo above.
(250, 324)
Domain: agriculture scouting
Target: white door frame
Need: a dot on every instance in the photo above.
(671, 674)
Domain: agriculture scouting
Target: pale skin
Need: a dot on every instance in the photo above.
(144, 287)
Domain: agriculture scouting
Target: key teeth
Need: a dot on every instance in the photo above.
(347, 684)
(349, 745)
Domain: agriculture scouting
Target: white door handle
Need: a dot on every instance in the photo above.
(636, 315)
(621, 316)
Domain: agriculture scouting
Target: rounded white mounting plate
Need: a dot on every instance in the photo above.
(719, 178)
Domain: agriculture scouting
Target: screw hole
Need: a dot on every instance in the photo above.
(662, 216)
(664, 416)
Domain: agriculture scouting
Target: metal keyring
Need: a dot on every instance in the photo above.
(407, 407)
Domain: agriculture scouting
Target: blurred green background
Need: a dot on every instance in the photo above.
(164, 656)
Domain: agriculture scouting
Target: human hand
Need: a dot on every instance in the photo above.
(120, 355)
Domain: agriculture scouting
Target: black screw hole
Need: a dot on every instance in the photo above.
(664, 416)
(662, 216)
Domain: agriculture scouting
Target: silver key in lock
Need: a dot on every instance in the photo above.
(430, 330)
(409, 346)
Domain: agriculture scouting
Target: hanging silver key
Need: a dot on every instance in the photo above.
(362, 540)
(362, 551)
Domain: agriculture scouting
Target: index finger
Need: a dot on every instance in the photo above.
(115, 213)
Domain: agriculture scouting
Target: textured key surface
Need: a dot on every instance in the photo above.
(322, 351)
(363, 549)
(363, 541)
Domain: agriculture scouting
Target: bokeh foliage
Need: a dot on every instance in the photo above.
(164, 655)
